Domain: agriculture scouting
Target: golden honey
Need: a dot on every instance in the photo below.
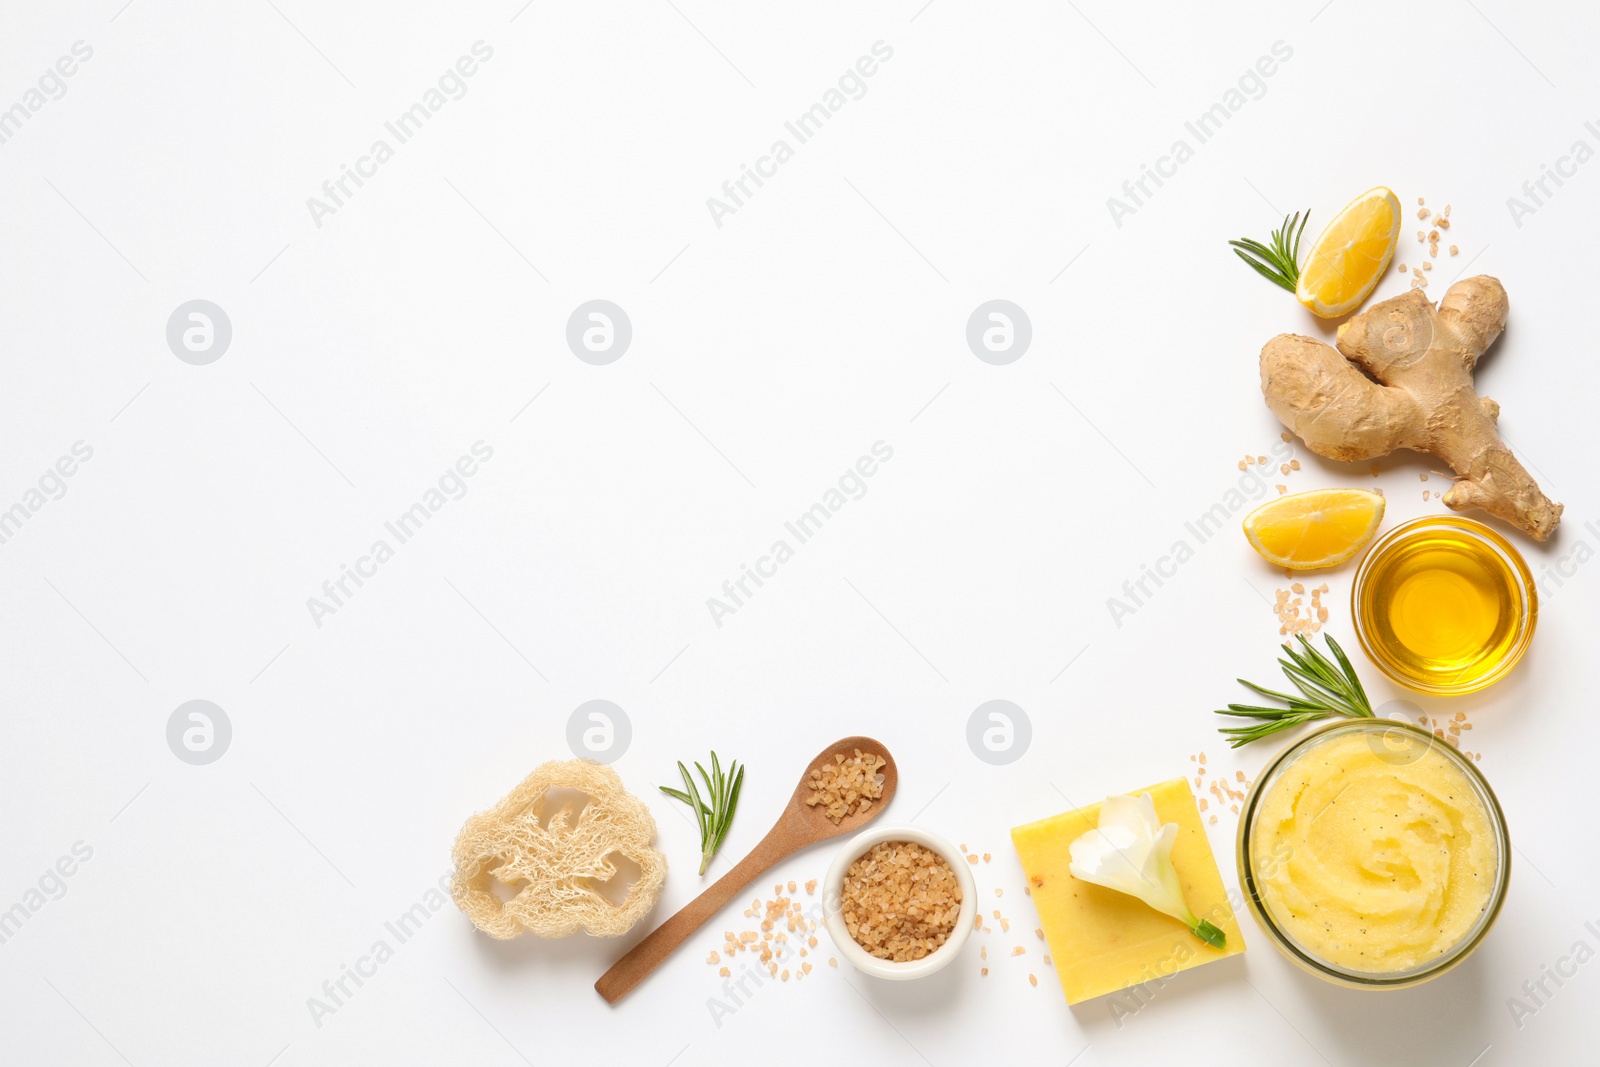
(1444, 605)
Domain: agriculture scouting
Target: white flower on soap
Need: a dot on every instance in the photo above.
(1131, 852)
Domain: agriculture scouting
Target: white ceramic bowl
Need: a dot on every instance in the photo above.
(833, 893)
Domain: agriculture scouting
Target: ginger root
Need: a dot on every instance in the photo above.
(1402, 378)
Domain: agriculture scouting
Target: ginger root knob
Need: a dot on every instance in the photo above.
(1401, 377)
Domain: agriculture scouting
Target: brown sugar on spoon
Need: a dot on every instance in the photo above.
(846, 787)
(801, 824)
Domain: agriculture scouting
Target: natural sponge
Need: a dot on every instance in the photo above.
(557, 861)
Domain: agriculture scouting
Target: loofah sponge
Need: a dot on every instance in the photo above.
(557, 867)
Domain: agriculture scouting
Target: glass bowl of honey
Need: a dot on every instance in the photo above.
(1444, 605)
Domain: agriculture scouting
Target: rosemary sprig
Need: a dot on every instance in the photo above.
(1279, 263)
(1327, 688)
(713, 818)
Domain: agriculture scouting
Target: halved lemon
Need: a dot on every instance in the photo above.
(1351, 254)
(1315, 529)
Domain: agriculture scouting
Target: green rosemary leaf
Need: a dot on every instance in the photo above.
(711, 787)
(1298, 234)
(1275, 695)
(1359, 693)
(1243, 735)
(1318, 665)
(733, 794)
(1249, 244)
(1328, 687)
(1316, 694)
(1255, 712)
(1274, 276)
(730, 797)
(702, 813)
(1279, 261)
(716, 817)
(1342, 678)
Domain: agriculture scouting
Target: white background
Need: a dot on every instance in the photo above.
(768, 354)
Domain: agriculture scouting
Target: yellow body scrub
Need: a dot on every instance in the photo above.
(1372, 849)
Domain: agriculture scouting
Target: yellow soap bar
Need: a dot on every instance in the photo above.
(1101, 940)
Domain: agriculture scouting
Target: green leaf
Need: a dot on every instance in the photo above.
(1316, 694)
(1209, 934)
(1256, 712)
(1318, 666)
(1327, 687)
(701, 813)
(713, 811)
(1270, 274)
(733, 794)
(1278, 262)
(1360, 692)
(1273, 693)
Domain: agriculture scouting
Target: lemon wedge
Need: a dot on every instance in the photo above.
(1315, 529)
(1351, 254)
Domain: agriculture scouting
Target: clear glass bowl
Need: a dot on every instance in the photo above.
(1449, 532)
(1405, 739)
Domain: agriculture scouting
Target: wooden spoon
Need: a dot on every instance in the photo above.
(799, 826)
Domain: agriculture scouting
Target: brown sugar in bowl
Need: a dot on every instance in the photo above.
(918, 943)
